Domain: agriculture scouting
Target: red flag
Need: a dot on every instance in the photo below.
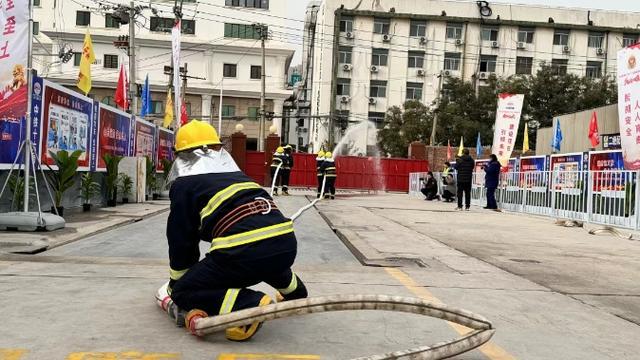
(121, 90)
(183, 114)
(448, 150)
(594, 136)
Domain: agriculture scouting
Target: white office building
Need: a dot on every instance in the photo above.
(219, 44)
(368, 55)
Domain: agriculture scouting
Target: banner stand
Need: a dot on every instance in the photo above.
(25, 220)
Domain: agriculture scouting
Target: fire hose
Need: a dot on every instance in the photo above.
(275, 177)
(481, 329)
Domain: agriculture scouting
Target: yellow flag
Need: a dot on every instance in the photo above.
(88, 57)
(461, 146)
(168, 111)
(525, 142)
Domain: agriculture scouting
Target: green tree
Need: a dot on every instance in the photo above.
(404, 125)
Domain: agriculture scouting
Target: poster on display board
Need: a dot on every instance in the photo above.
(533, 164)
(66, 123)
(164, 148)
(14, 20)
(113, 135)
(478, 171)
(606, 169)
(512, 166)
(566, 170)
(629, 105)
(144, 139)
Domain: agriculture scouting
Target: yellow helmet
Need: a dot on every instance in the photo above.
(196, 134)
(328, 155)
(321, 153)
(280, 150)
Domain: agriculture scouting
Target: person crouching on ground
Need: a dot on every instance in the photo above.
(430, 187)
(449, 192)
(251, 240)
(491, 180)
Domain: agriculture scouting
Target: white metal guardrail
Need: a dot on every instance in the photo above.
(598, 197)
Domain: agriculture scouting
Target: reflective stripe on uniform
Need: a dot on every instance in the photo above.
(251, 236)
(225, 194)
(293, 285)
(229, 300)
(176, 274)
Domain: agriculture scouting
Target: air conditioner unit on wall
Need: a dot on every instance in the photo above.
(483, 75)
(446, 72)
(459, 42)
(386, 38)
(423, 40)
(566, 49)
(372, 101)
(349, 35)
(374, 69)
(345, 99)
(600, 51)
(347, 67)
(420, 72)
(495, 45)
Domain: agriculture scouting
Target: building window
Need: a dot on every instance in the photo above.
(166, 24)
(418, 28)
(559, 66)
(252, 113)
(241, 31)
(36, 2)
(596, 39)
(524, 65)
(110, 61)
(377, 118)
(380, 57)
(229, 70)
(76, 58)
(416, 59)
(228, 110)
(525, 35)
(489, 33)
(414, 91)
(83, 18)
(488, 63)
(594, 69)
(381, 26)
(561, 37)
(629, 39)
(108, 100)
(346, 24)
(454, 31)
(452, 61)
(256, 72)
(257, 4)
(344, 87)
(36, 28)
(345, 54)
(378, 89)
(111, 22)
(157, 106)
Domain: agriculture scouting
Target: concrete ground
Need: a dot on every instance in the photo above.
(93, 298)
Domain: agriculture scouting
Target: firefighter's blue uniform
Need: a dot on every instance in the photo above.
(319, 174)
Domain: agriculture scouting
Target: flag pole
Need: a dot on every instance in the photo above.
(28, 145)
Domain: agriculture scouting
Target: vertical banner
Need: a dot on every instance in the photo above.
(506, 126)
(164, 148)
(145, 135)
(14, 37)
(114, 129)
(66, 123)
(629, 105)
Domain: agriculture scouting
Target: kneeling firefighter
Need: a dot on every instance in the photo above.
(251, 241)
(278, 159)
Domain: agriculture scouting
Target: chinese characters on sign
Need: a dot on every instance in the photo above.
(629, 105)
(506, 127)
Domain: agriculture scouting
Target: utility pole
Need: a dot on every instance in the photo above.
(184, 82)
(432, 141)
(132, 58)
(263, 37)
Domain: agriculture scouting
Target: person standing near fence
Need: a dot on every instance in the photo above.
(277, 160)
(491, 180)
(286, 168)
(464, 167)
(329, 170)
(319, 174)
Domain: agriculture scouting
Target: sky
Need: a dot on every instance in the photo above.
(297, 9)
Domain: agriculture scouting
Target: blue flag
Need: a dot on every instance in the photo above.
(557, 136)
(146, 99)
(478, 146)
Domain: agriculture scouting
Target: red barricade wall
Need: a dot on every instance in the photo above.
(353, 172)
